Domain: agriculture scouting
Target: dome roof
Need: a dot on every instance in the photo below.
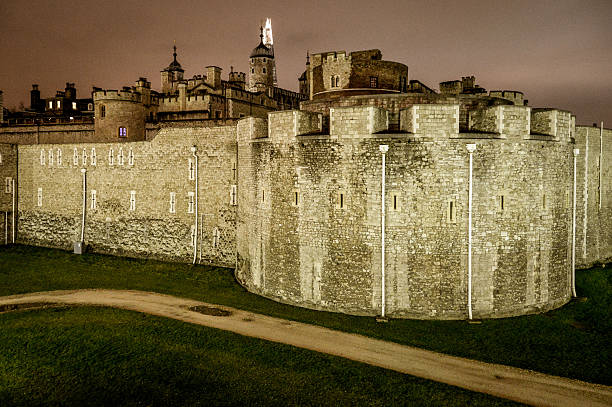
(174, 65)
(262, 50)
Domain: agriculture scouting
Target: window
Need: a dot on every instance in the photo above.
(131, 157)
(502, 203)
(217, 114)
(59, 104)
(234, 169)
(544, 201)
(296, 198)
(172, 202)
(7, 185)
(452, 212)
(50, 156)
(263, 196)
(94, 202)
(84, 155)
(252, 70)
(341, 201)
(332, 81)
(74, 106)
(264, 70)
(120, 156)
(39, 203)
(191, 170)
(132, 200)
(42, 157)
(190, 205)
(373, 81)
(50, 104)
(395, 202)
(59, 157)
(111, 157)
(337, 81)
(94, 159)
(89, 106)
(264, 59)
(233, 195)
(215, 237)
(75, 157)
(102, 111)
(122, 131)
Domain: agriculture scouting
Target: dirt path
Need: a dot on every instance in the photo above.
(502, 381)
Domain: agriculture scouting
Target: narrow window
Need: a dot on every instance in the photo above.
(132, 200)
(252, 70)
(89, 106)
(233, 195)
(234, 170)
(39, 203)
(7, 185)
(75, 157)
(50, 156)
(264, 59)
(131, 157)
(102, 111)
(122, 131)
(215, 237)
(332, 81)
(264, 70)
(337, 81)
(296, 198)
(341, 203)
(59, 104)
(263, 196)
(502, 203)
(84, 155)
(395, 202)
(172, 202)
(451, 211)
(50, 104)
(373, 81)
(111, 157)
(120, 156)
(74, 106)
(93, 199)
(543, 201)
(191, 170)
(42, 157)
(94, 159)
(59, 156)
(190, 202)
(0, 158)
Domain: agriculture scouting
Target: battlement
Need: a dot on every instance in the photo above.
(559, 124)
(251, 128)
(329, 56)
(505, 120)
(516, 97)
(349, 122)
(126, 94)
(293, 123)
(431, 119)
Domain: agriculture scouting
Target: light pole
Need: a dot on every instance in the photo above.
(471, 148)
(383, 149)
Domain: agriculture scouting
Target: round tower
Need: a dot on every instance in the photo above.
(119, 115)
(261, 66)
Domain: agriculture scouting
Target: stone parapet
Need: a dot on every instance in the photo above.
(352, 122)
(430, 119)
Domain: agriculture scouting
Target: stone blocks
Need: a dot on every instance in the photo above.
(430, 119)
(351, 122)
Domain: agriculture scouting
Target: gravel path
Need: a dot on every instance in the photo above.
(501, 381)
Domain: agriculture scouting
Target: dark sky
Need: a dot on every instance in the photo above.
(559, 53)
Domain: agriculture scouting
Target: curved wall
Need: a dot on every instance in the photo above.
(308, 227)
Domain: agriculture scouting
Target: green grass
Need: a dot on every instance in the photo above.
(102, 356)
(574, 341)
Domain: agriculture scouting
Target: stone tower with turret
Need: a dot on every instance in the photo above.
(262, 67)
(171, 75)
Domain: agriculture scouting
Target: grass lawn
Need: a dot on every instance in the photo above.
(574, 341)
(102, 356)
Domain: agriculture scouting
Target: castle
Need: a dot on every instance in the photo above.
(365, 192)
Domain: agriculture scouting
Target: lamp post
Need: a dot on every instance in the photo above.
(471, 148)
(383, 149)
(573, 279)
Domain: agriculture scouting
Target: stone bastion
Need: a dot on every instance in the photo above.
(309, 222)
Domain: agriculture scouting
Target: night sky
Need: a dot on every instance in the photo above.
(559, 53)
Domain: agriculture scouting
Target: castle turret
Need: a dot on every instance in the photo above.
(262, 66)
(237, 79)
(119, 115)
(171, 75)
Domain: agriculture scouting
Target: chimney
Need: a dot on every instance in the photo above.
(213, 76)
(35, 98)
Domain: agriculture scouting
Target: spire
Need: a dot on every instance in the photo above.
(307, 58)
(174, 54)
(261, 34)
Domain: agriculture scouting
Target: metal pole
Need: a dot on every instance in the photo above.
(383, 149)
(5, 227)
(84, 171)
(471, 148)
(13, 229)
(195, 230)
(573, 279)
(600, 159)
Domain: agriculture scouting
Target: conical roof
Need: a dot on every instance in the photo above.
(262, 50)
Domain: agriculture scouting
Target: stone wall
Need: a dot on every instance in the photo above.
(308, 226)
(593, 209)
(8, 173)
(53, 133)
(152, 170)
